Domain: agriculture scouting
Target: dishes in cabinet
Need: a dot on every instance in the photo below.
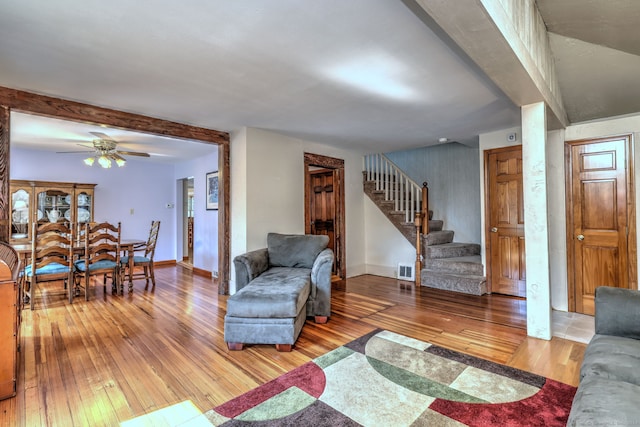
(53, 215)
(20, 217)
(67, 199)
(40, 214)
(67, 214)
(83, 200)
(83, 215)
(18, 235)
(20, 195)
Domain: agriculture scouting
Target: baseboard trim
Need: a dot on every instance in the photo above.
(197, 271)
(167, 263)
(202, 273)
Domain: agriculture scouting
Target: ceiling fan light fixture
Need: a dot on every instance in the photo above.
(120, 162)
(104, 161)
(89, 161)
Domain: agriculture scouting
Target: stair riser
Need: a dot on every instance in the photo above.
(438, 238)
(468, 285)
(470, 268)
(438, 251)
(435, 225)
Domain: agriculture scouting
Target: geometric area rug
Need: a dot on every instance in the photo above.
(386, 379)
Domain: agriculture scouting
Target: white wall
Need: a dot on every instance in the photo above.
(385, 246)
(205, 222)
(267, 192)
(556, 217)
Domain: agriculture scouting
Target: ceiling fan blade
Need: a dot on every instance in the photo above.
(67, 152)
(133, 153)
(116, 156)
(91, 149)
(102, 136)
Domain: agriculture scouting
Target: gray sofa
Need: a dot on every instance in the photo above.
(609, 390)
(277, 288)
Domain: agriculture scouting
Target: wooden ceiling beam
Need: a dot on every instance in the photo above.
(28, 102)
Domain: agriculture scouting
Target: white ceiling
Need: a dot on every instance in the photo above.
(366, 74)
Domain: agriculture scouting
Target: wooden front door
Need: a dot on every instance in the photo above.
(323, 205)
(601, 219)
(505, 232)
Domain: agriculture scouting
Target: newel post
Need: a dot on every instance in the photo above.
(418, 223)
(425, 208)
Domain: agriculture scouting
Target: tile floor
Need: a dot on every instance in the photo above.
(572, 326)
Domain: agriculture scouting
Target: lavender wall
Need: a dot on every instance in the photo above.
(205, 223)
(142, 186)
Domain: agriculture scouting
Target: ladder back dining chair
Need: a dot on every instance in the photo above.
(101, 256)
(144, 259)
(51, 258)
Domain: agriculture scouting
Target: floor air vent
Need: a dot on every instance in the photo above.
(406, 272)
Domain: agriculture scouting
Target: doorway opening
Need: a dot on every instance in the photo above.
(325, 204)
(186, 223)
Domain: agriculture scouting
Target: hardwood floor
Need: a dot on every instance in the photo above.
(117, 357)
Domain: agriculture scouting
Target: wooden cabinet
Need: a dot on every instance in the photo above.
(46, 201)
(9, 321)
(8, 338)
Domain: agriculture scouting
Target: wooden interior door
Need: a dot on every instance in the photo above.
(323, 205)
(598, 206)
(505, 208)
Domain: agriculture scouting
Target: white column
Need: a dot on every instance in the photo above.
(536, 226)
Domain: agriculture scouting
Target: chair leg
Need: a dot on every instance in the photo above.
(86, 286)
(68, 285)
(152, 274)
(32, 293)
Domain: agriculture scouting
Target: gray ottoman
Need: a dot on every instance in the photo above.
(271, 310)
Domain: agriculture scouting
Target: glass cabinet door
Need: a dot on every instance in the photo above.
(54, 204)
(20, 214)
(85, 206)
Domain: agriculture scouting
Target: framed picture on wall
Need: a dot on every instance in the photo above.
(212, 190)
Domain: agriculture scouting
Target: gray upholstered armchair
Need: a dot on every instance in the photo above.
(291, 251)
(277, 288)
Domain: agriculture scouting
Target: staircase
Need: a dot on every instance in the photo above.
(446, 264)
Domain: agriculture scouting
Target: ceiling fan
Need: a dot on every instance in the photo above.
(105, 151)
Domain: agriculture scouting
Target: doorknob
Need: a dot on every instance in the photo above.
(494, 229)
(580, 237)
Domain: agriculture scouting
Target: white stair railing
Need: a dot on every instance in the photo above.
(396, 185)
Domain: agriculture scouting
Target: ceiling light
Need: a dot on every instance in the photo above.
(104, 161)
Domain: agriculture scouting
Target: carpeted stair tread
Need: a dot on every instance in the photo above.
(463, 283)
(471, 265)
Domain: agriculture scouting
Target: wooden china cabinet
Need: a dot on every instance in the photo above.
(47, 201)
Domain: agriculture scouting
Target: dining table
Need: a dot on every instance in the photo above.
(126, 246)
